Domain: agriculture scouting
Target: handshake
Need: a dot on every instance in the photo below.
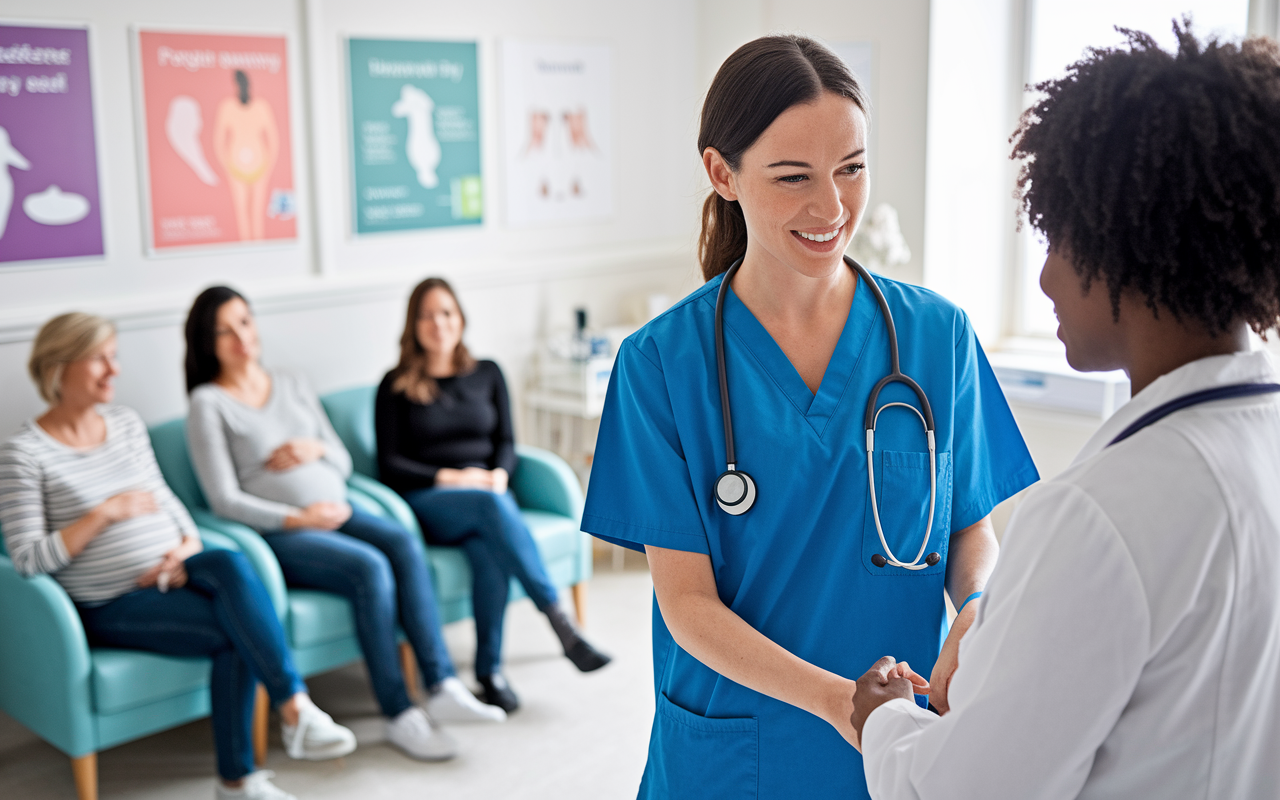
(887, 680)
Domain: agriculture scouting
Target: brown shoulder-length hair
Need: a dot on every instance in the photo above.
(410, 377)
(762, 79)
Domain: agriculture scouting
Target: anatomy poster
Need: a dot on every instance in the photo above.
(49, 204)
(556, 131)
(218, 154)
(415, 132)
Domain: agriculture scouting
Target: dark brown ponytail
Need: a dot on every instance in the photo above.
(762, 79)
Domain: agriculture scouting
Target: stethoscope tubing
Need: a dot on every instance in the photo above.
(872, 416)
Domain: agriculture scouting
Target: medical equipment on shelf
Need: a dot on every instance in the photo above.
(735, 490)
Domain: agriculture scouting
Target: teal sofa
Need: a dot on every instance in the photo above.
(319, 625)
(84, 699)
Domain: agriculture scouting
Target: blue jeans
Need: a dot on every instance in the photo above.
(381, 569)
(490, 529)
(224, 612)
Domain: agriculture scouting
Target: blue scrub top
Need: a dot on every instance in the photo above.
(797, 566)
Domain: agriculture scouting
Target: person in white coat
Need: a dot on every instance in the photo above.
(1128, 642)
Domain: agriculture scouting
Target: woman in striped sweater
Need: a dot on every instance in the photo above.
(82, 500)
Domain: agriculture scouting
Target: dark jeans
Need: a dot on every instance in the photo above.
(224, 612)
(381, 569)
(489, 528)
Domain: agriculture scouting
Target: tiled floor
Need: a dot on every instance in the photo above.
(576, 736)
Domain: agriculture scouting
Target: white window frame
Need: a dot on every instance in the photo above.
(988, 45)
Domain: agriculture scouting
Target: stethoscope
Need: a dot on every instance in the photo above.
(735, 490)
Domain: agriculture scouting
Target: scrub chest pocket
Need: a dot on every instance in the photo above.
(902, 492)
(702, 758)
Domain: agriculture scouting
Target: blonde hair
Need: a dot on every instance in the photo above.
(61, 340)
(410, 377)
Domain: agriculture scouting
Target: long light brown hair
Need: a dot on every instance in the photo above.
(410, 377)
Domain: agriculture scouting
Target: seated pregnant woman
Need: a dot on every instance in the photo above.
(445, 442)
(267, 456)
(82, 499)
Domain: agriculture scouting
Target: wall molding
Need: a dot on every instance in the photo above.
(334, 290)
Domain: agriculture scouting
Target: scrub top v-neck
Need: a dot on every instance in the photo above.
(797, 567)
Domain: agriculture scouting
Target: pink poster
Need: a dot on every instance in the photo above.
(219, 160)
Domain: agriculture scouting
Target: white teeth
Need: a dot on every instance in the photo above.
(820, 237)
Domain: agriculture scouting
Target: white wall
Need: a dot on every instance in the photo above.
(332, 305)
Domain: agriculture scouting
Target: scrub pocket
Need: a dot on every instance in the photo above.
(902, 491)
(702, 758)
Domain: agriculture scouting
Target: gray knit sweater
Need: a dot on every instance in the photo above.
(230, 443)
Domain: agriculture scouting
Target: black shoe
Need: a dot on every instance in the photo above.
(495, 691)
(578, 650)
(585, 657)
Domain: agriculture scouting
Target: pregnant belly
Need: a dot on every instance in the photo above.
(131, 547)
(300, 487)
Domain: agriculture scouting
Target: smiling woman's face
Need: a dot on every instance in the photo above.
(91, 379)
(803, 185)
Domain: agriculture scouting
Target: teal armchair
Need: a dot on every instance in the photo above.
(319, 626)
(84, 699)
(546, 489)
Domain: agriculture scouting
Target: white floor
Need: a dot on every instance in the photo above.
(576, 736)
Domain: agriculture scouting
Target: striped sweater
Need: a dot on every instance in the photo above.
(46, 485)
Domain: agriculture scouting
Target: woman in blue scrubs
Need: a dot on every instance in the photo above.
(763, 619)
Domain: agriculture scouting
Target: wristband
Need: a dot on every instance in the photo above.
(973, 596)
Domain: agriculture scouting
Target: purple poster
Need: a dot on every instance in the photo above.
(49, 205)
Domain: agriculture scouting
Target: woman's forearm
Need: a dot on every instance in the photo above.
(77, 535)
(971, 558)
(712, 633)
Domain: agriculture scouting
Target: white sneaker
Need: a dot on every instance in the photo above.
(316, 737)
(413, 733)
(256, 786)
(453, 702)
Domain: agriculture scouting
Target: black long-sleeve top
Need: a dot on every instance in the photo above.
(467, 425)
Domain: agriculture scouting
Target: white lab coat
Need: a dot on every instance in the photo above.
(1128, 643)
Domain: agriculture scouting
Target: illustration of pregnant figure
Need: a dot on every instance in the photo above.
(9, 157)
(246, 142)
(420, 145)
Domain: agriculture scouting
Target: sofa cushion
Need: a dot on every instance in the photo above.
(318, 617)
(557, 536)
(450, 571)
(124, 679)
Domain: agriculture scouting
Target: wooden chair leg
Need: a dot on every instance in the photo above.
(85, 771)
(409, 665)
(580, 602)
(261, 713)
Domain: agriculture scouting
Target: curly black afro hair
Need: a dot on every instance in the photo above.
(1159, 173)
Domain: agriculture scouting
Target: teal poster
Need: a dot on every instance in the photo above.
(415, 131)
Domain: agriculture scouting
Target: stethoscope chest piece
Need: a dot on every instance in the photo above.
(735, 492)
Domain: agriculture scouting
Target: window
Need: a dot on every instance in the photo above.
(1057, 35)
